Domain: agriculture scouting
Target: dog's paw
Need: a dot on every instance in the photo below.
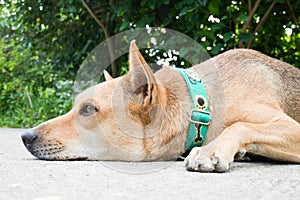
(202, 160)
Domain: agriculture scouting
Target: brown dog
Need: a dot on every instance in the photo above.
(254, 105)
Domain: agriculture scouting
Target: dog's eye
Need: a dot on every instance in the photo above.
(88, 109)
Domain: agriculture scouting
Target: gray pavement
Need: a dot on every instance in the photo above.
(24, 177)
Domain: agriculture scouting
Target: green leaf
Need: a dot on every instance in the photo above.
(152, 4)
(183, 11)
(123, 26)
(280, 1)
(213, 7)
(242, 18)
(217, 48)
(167, 2)
(194, 17)
(224, 17)
(245, 37)
(216, 26)
(202, 2)
(227, 36)
(72, 9)
(143, 21)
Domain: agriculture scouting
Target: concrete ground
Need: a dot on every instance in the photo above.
(24, 177)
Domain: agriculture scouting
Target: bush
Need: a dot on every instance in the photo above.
(31, 92)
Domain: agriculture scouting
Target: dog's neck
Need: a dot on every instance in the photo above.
(174, 122)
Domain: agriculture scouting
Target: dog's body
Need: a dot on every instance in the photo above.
(254, 104)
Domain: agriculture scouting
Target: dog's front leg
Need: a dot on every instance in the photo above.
(278, 140)
(218, 154)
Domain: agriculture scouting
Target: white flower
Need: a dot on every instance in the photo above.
(153, 41)
(213, 19)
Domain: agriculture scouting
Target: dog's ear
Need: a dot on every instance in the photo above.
(135, 57)
(142, 79)
(107, 76)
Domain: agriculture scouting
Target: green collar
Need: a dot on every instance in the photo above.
(200, 116)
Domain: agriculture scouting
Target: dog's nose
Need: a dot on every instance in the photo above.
(28, 137)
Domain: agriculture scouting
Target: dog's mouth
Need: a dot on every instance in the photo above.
(54, 154)
(78, 159)
(50, 155)
(64, 159)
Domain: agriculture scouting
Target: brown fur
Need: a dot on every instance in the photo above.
(254, 103)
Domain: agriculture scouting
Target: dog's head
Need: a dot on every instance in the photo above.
(114, 120)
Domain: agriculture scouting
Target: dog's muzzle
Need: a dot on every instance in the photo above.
(48, 149)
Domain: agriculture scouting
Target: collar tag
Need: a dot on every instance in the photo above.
(200, 115)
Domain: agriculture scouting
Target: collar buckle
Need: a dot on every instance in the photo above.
(200, 117)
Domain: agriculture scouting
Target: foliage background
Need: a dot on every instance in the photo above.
(42, 43)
